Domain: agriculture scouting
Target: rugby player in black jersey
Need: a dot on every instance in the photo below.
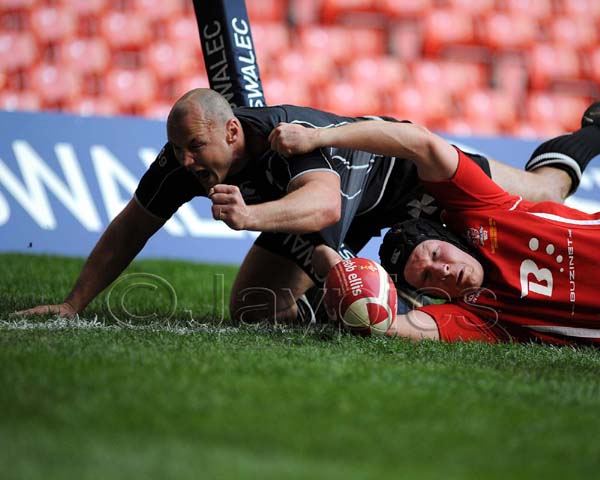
(331, 196)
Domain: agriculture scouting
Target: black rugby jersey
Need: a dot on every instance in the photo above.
(266, 176)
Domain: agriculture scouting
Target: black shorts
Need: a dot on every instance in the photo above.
(404, 198)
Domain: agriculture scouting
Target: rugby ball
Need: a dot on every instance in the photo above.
(360, 294)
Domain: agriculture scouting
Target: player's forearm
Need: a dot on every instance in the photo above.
(416, 325)
(111, 255)
(295, 213)
(435, 158)
(404, 140)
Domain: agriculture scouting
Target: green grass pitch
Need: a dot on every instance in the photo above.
(193, 397)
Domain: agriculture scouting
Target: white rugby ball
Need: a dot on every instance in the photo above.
(360, 294)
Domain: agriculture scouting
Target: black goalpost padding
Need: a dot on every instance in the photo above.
(228, 50)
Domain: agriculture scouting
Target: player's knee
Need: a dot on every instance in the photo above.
(553, 184)
(324, 259)
(286, 313)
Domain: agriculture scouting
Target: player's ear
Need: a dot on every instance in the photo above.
(232, 130)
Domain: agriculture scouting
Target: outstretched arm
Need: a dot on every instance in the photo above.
(435, 158)
(121, 242)
(416, 325)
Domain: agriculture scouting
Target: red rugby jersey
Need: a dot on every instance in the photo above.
(543, 265)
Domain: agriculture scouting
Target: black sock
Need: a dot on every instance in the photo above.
(570, 153)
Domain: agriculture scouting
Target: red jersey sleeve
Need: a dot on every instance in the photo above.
(456, 323)
(469, 188)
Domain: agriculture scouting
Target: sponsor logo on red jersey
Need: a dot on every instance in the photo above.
(477, 236)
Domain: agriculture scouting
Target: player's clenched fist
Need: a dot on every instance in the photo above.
(291, 139)
(229, 206)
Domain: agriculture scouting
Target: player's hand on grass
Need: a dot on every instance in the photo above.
(229, 206)
(62, 310)
(291, 139)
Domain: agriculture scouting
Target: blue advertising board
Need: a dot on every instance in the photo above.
(63, 178)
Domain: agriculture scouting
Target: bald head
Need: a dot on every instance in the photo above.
(207, 104)
(205, 136)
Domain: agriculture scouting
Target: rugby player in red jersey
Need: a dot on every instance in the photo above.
(510, 268)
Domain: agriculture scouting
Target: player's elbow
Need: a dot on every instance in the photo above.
(335, 210)
(425, 142)
(322, 218)
(435, 158)
(330, 213)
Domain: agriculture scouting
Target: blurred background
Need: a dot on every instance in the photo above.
(526, 68)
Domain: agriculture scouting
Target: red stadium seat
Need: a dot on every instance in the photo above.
(479, 106)
(267, 65)
(15, 81)
(152, 10)
(548, 63)
(342, 44)
(189, 82)
(85, 7)
(542, 114)
(19, 100)
(124, 31)
(279, 90)
(304, 12)
(382, 72)
(131, 88)
(324, 41)
(510, 75)
(168, 61)
(422, 104)
(51, 24)
(594, 64)
(525, 129)
(461, 126)
(454, 76)
(334, 10)
(86, 55)
(55, 84)
(508, 31)
(575, 33)
(456, 126)
(158, 110)
(541, 107)
(266, 10)
(14, 21)
(569, 109)
(395, 8)
(8, 5)
(184, 31)
(534, 9)
(17, 50)
(428, 72)
(579, 8)
(406, 41)
(314, 70)
(562, 111)
(366, 41)
(443, 28)
(345, 98)
(270, 39)
(88, 105)
(469, 7)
